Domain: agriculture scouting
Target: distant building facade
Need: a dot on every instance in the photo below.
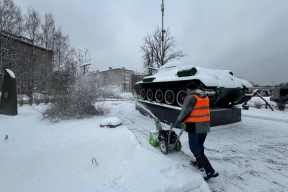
(119, 77)
(31, 64)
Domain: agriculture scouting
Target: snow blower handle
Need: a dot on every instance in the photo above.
(158, 124)
(178, 125)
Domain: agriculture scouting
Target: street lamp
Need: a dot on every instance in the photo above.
(85, 66)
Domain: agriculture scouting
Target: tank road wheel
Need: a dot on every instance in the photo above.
(238, 96)
(159, 96)
(142, 94)
(169, 97)
(150, 95)
(163, 147)
(216, 97)
(180, 97)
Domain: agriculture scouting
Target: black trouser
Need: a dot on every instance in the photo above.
(196, 142)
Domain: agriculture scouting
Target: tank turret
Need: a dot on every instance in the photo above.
(168, 85)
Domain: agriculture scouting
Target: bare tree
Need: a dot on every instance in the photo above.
(33, 62)
(48, 31)
(11, 27)
(10, 19)
(65, 76)
(136, 76)
(70, 61)
(46, 41)
(32, 29)
(19, 25)
(61, 47)
(81, 58)
(32, 25)
(152, 53)
(64, 64)
(9, 16)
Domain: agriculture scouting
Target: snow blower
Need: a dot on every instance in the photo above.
(166, 139)
(153, 135)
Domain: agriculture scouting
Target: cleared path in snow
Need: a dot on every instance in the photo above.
(265, 118)
(250, 155)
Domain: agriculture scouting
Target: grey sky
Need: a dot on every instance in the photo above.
(249, 37)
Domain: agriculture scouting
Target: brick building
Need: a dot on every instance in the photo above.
(120, 77)
(31, 64)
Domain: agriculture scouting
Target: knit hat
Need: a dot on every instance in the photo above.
(191, 86)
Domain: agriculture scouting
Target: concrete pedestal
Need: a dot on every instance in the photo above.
(168, 114)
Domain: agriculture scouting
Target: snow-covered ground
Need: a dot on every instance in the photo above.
(79, 155)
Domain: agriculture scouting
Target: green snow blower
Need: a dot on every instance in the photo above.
(166, 139)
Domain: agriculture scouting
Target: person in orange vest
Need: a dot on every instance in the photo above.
(195, 113)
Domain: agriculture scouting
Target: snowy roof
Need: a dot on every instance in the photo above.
(10, 73)
(115, 68)
(209, 77)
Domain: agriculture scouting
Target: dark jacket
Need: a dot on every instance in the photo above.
(188, 104)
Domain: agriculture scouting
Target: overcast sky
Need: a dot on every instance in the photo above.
(249, 37)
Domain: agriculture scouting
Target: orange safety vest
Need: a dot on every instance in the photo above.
(200, 112)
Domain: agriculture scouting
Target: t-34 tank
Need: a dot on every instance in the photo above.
(168, 85)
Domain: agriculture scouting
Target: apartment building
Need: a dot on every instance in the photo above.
(119, 77)
(31, 64)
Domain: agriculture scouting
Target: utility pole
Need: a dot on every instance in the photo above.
(162, 34)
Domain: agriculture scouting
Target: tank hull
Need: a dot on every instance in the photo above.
(168, 85)
(221, 96)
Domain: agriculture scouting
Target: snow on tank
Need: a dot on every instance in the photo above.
(168, 85)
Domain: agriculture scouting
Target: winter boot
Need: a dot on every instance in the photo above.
(210, 175)
(197, 165)
(202, 159)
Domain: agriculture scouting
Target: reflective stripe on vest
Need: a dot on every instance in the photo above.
(201, 111)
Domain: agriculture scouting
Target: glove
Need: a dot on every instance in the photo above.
(175, 125)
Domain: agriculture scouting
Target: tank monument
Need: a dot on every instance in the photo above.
(164, 92)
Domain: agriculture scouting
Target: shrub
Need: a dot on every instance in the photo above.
(78, 102)
(46, 99)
